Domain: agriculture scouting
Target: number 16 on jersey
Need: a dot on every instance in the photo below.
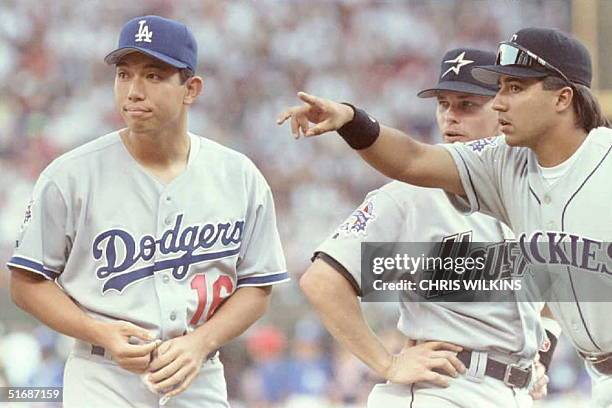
(210, 294)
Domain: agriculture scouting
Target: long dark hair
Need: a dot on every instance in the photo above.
(586, 108)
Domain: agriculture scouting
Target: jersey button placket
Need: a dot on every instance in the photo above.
(166, 207)
(166, 218)
(548, 211)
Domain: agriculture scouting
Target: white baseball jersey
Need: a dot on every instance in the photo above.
(505, 182)
(399, 212)
(124, 246)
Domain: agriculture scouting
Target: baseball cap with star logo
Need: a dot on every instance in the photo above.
(166, 40)
(455, 73)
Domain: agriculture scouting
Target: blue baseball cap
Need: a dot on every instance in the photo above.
(455, 73)
(538, 53)
(166, 40)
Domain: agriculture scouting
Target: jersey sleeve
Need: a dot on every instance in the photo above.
(479, 164)
(377, 219)
(261, 261)
(43, 242)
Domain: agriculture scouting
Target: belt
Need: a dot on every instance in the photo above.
(511, 374)
(100, 351)
(601, 362)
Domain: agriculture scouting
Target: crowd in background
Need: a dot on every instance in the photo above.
(56, 93)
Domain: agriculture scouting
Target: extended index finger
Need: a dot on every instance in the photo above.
(311, 99)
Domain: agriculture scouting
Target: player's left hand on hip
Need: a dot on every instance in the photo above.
(175, 364)
(539, 388)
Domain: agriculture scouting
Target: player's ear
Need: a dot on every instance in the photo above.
(194, 86)
(565, 96)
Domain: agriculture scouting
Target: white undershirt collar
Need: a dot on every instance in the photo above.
(552, 174)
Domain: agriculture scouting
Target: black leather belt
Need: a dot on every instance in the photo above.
(511, 374)
(602, 362)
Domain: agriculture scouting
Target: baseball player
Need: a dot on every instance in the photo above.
(546, 176)
(150, 245)
(503, 334)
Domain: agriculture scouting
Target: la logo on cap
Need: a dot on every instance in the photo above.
(143, 33)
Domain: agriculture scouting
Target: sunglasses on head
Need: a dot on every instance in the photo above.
(510, 53)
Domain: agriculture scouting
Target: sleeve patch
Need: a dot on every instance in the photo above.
(357, 223)
(28, 215)
(26, 220)
(480, 145)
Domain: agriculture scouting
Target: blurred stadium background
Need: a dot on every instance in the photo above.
(56, 93)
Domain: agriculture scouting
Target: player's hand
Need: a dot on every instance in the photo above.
(176, 363)
(540, 387)
(327, 116)
(130, 346)
(417, 364)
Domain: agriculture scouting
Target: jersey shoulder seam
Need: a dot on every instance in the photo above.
(209, 144)
(246, 163)
(79, 152)
(58, 187)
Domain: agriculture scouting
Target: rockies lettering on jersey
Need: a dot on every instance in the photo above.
(575, 208)
(584, 253)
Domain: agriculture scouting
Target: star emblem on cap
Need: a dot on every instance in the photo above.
(459, 61)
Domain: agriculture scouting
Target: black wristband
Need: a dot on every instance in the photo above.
(547, 349)
(362, 131)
